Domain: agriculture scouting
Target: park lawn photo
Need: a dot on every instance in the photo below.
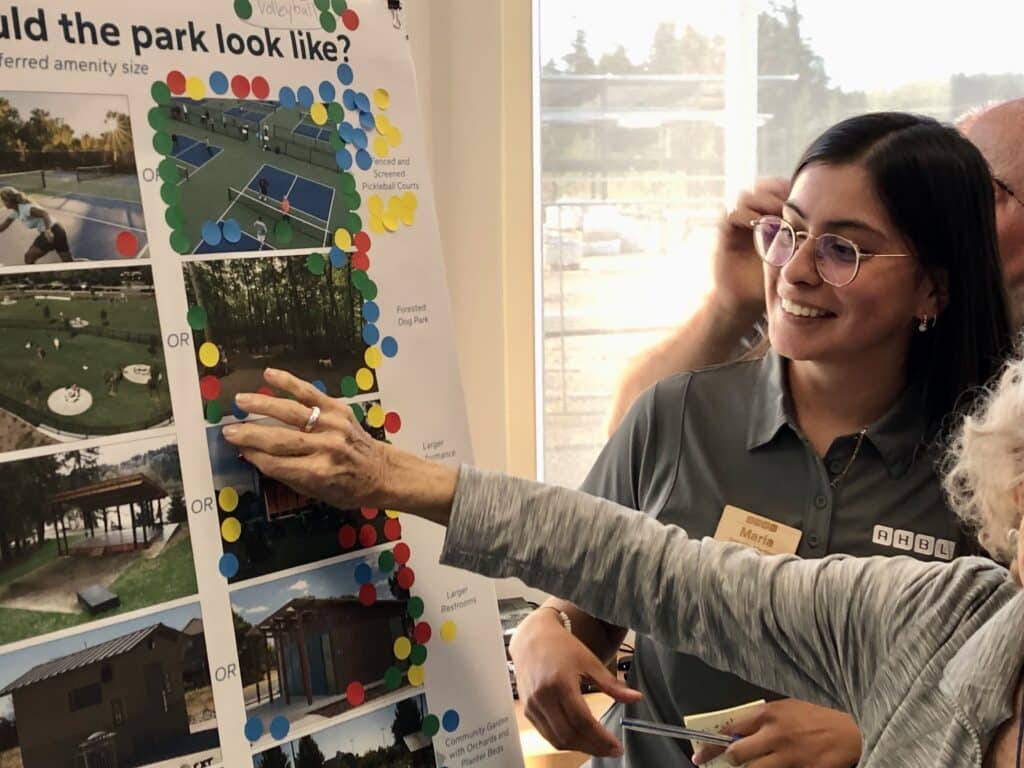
(91, 533)
(80, 356)
(249, 161)
(248, 313)
(72, 157)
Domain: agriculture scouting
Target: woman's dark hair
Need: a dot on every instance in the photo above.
(937, 189)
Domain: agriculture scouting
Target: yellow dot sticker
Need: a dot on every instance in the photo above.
(409, 201)
(228, 499)
(195, 88)
(394, 136)
(373, 358)
(380, 146)
(364, 379)
(402, 648)
(377, 225)
(382, 98)
(318, 113)
(390, 220)
(375, 416)
(209, 355)
(343, 239)
(392, 513)
(416, 675)
(448, 631)
(375, 205)
(231, 530)
(383, 124)
(408, 217)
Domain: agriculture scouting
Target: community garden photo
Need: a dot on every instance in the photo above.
(68, 184)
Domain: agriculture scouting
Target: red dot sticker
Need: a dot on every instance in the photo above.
(347, 537)
(260, 87)
(350, 19)
(265, 391)
(360, 261)
(392, 422)
(402, 553)
(240, 86)
(361, 241)
(368, 513)
(176, 82)
(127, 245)
(209, 387)
(367, 595)
(392, 530)
(355, 693)
(406, 578)
(367, 535)
(421, 634)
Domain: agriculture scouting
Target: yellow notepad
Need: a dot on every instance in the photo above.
(718, 722)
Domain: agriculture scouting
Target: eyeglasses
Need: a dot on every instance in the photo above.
(836, 259)
(1006, 188)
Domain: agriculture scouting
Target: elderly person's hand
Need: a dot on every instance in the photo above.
(323, 452)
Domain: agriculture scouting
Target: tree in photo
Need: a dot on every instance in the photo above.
(309, 755)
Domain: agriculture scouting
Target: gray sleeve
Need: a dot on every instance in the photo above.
(811, 629)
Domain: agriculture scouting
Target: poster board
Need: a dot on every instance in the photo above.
(194, 191)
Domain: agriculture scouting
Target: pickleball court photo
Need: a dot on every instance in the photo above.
(69, 191)
(254, 176)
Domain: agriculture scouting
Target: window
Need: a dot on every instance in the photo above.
(653, 114)
(86, 696)
(106, 673)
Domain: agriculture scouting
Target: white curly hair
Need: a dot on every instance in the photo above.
(984, 465)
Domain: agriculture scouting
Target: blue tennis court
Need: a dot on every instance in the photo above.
(304, 194)
(193, 152)
(314, 132)
(246, 114)
(246, 244)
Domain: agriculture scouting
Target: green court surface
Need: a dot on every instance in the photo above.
(234, 163)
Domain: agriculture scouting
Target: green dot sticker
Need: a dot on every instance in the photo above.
(386, 562)
(315, 263)
(335, 113)
(243, 9)
(167, 170)
(393, 678)
(162, 142)
(359, 279)
(214, 412)
(335, 140)
(431, 725)
(180, 242)
(158, 118)
(170, 193)
(161, 93)
(348, 183)
(174, 217)
(370, 291)
(357, 411)
(339, 6)
(418, 655)
(328, 21)
(283, 232)
(353, 201)
(352, 223)
(196, 318)
(415, 607)
(349, 388)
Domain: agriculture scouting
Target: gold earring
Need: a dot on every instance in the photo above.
(923, 325)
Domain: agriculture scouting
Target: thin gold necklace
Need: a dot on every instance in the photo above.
(856, 450)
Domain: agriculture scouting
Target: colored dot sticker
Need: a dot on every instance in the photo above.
(418, 654)
(366, 121)
(380, 147)
(367, 535)
(327, 91)
(161, 93)
(367, 595)
(214, 412)
(357, 411)
(328, 21)
(209, 355)
(196, 318)
(253, 728)
(286, 96)
(349, 387)
(195, 88)
(375, 416)
(219, 83)
(386, 562)
(364, 160)
(394, 514)
(373, 358)
(211, 233)
(370, 333)
(260, 87)
(369, 513)
(415, 607)
(322, 5)
(343, 239)
(392, 423)
(339, 6)
(406, 577)
(127, 244)
(431, 725)
(228, 566)
(450, 720)
(417, 675)
(237, 412)
(158, 119)
(231, 530)
(393, 678)
(162, 143)
(355, 694)
(449, 631)
(240, 86)
(227, 499)
(381, 98)
(402, 553)
(170, 193)
(243, 9)
(180, 242)
(371, 312)
(392, 530)
(402, 648)
(279, 727)
(338, 257)
(364, 379)
(209, 387)
(318, 113)
(388, 346)
(315, 263)
(347, 537)
(364, 573)
(422, 633)
(320, 384)
(232, 231)
(343, 158)
(174, 217)
(350, 19)
(176, 82)
(305, 96)
(345, 74)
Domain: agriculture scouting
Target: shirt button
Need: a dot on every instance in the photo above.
(835, 467)
(812, 540)
(820, 501)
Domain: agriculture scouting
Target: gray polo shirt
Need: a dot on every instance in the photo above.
(699, 441)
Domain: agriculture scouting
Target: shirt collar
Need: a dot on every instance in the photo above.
(768, 408)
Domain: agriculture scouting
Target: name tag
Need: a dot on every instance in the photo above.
(762, 533)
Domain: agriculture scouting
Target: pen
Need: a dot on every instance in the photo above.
(677, 732)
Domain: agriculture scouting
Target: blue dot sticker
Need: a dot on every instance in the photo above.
(219, 82)
(370, 334)
(338, 257)
(287, 98)
(366, 121)
(389, 347)
(450, 721)
(359, 139)
(305, 96)
(232, 231)
(343, 158)
(319, 384)
(253, 728)
(327, 91)
(237, 412)
(211, 233)
(363, 102)
(363, 160)
(279, 727)
(364, 574)
(371, 312)
(348, 99)
(345, 75)
(228, 566)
